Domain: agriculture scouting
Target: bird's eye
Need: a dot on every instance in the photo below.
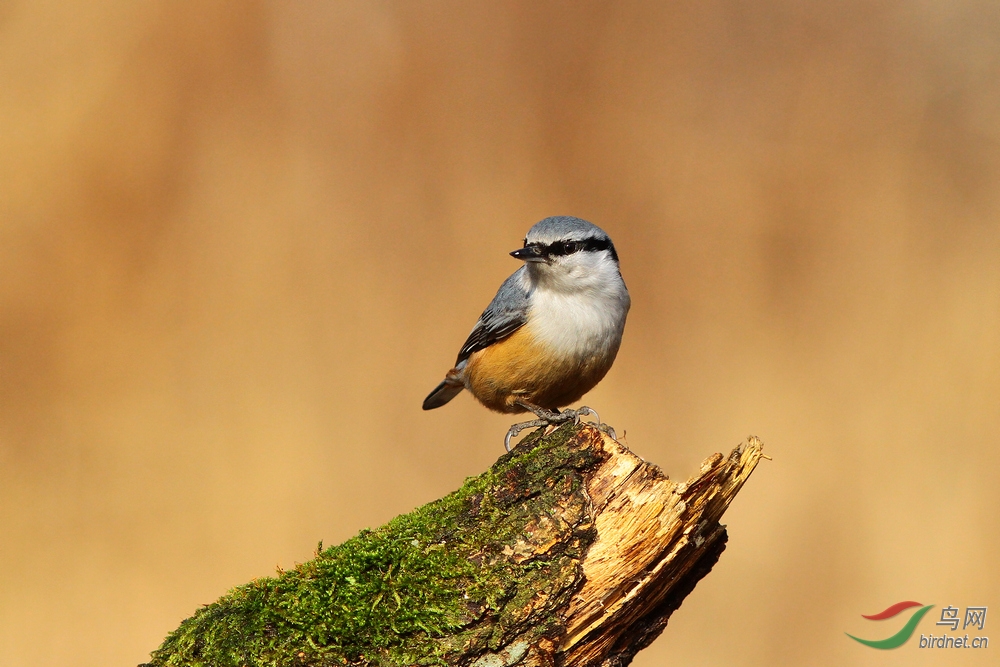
(569, 247)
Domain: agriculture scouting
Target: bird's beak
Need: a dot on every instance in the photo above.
(529, 254)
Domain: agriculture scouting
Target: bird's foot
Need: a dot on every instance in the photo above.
(548, 416)
(554, 417)
(517, 428)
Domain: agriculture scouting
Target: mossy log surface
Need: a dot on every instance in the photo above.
(569, 551)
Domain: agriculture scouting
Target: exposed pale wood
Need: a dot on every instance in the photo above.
(652, 534)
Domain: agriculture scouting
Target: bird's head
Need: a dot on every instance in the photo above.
(568, 253)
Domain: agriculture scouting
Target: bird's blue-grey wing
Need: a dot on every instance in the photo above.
(506, 314)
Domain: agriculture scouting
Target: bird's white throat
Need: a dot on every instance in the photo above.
(578, 308)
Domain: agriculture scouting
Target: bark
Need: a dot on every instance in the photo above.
(569, 551)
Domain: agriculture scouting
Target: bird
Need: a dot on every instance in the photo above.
(552, 331)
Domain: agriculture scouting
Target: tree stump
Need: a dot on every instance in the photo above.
(569, 551)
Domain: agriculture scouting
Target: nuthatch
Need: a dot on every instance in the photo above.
(552, 331)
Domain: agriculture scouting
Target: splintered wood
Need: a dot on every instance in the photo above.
(655, 539)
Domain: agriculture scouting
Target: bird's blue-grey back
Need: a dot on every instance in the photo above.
(507, 313)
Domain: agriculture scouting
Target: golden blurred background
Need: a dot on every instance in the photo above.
(240, 242)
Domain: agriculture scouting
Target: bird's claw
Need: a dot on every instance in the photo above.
(549, 418)
(584, 410)
(517, 428)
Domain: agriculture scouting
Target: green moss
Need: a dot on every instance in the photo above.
(452, 577)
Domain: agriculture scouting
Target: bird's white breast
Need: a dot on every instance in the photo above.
(580, 323)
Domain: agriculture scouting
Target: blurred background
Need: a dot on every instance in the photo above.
(240, 242)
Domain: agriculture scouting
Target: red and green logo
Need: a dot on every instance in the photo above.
(898, 639)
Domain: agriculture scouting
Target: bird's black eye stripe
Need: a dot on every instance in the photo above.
(587, 245)
(596, 245)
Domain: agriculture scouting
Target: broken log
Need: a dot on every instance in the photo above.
(570, 550)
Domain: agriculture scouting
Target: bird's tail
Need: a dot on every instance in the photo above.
(442, 393)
